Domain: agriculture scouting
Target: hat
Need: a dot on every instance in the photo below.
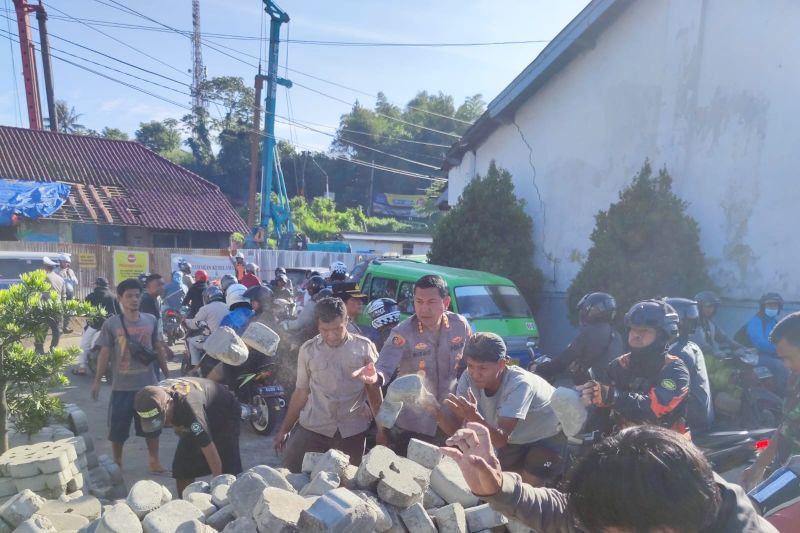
(49, 262)
(486, 347)
(346, 290)
(101, 282)
(151, 406)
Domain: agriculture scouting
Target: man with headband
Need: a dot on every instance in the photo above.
(514, 404)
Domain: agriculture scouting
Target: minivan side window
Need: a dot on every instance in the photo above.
(383, 288)
(405, 298)
(358, 271)
(365, 285)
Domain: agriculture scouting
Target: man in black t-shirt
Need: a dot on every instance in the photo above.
(205, 416)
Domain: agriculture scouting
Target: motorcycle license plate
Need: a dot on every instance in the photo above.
(270, 390)
(762, 372)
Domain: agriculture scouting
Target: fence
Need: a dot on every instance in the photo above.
(161, 259)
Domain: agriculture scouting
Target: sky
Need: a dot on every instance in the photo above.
(399, 72)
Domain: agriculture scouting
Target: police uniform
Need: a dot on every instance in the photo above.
(788, 433)
(411, 348)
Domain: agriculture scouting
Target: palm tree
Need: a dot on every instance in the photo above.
(67, 118)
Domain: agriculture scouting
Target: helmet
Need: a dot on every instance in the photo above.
(688, 314)
(251, 267)
(383, 311)
(325, 292)
(279, 271)
(213, 294)
(143, 278)
(239, 255)
(315, 284)
(185, 267)
(654, 314)
(226, 281)
(597, 307)
(260, 294)
(201, 275)
(282, 278)
(707, 298)
(235, 294)
(770, 298)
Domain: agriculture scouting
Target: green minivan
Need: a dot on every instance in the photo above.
(489, 302)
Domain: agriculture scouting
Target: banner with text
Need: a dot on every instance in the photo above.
(129, 264)
(397, 205)
(216, 266)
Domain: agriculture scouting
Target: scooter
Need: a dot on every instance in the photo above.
(191, 341)
(778, 496)
(757, 405)
(172, 324)
(263, 399)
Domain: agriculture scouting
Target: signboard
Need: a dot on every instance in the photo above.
(397, 205)
(216, 266)
(129, 264)
(87, 261)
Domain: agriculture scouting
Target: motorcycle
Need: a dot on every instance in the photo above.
(778, 496)
(263, 399)
(172, 320)
(192, 341)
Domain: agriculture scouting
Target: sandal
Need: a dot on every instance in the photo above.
(78, 371)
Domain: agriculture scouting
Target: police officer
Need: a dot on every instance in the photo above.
(385, 315)
(205, 416)
(647, 385)
(431, 343)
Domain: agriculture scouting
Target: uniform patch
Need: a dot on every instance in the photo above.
(196, 428)
(420, 346)
(457, 340)
(668, 384)
(398, 340)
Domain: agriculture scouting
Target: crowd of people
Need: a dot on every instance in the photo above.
(495, 418)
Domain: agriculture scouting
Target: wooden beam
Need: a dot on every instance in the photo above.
(103, 208)
(85, 200)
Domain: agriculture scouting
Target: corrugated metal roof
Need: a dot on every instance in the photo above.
(117, 182)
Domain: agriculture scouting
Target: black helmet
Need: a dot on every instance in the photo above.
(597, 307)
(260, 294)
(707, 298)
(226, 281)
(383, 312)
(279, 271)
(654, 314)
(213, 294)
(688, 314)
(143, 278)
(325, 292)
(185, 267)
(315, 284)
(770, 298)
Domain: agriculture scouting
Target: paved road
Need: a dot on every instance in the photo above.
(255, 449)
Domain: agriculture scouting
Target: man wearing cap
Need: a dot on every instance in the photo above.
(513, 403)
(103, 298)
(130, 343)
(329, 407)
(353, 300)
(56, 284)
(70, 284)
(430, 343)
(205, 416)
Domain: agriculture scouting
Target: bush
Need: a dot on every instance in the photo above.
(489, 230)
(643, 246)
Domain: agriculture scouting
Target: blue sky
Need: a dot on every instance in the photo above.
(398, 72)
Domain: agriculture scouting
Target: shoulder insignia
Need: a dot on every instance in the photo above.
(196, 428)
(668, 384)
(457, 339)
(398, 340)
(420, 346)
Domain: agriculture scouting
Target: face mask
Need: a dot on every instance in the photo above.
(772, 313)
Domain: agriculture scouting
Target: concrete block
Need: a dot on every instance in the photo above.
(431, 500)
(278, 511)
(20, 507)
(219, 496)
(203, 503)
(298, 481)
(272, 477)
(383, 517)
(196, 486)
(338, 511)
(119, 519)
(78, 443)
(224, 479)
(406, 389)
(145, 496)
(115, 473)
(569, 409)
(419, 473)
(194, 526)
(423, 453)
(225, 345)
(36, 459)
(65, 521)
(332, 461)
(244, 524)
(348, 477)
(168, 517)
(91, 460)
(7, 487)
(221, 518)
(417, 520)
(388, 413)
(245, 492)
(310, 461)
(448, 482)
(399, 490)
(86, 506)
(450, 518)
(483, 517)
(88, 442)
(373, 465)
(77, 421)
(261, 338)
(320, 484)
(36, 524)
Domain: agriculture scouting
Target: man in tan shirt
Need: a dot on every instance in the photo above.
(329, 407)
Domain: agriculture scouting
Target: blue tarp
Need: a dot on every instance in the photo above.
(30, 199)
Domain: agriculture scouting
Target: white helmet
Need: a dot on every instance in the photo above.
(235, 294)
(239, 255)
(338, 267)
(251, 267)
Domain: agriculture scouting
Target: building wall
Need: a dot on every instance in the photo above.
(384, 247)
(706, 88)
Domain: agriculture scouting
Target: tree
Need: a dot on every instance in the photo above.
(67, 118)
(643, 246)
(489, 230)
(320, 220)
(26, 378)
(159, 136)
(114, 133)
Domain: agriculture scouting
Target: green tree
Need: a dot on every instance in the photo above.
(159, 136)
(321, 221)
(489, 230)
(67, 118)
(643, 246)
(114, 133)
(26, 378)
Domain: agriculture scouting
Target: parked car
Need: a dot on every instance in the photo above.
(490, 303)
(12, 264)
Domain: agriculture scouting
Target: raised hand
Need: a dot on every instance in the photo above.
(464, 408)
(471, 449)
(366, 374)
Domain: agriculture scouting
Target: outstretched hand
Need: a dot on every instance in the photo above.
(471, 449)
(464, 408)
(366, 374)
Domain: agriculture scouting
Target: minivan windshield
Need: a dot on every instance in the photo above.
(491, 301)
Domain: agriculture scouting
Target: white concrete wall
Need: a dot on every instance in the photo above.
(707, 88)
(384, 247)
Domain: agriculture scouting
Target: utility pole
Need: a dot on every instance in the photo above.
(44, 42)
(371, 186)
(255, 147)
(198, 71)
(28, 53)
